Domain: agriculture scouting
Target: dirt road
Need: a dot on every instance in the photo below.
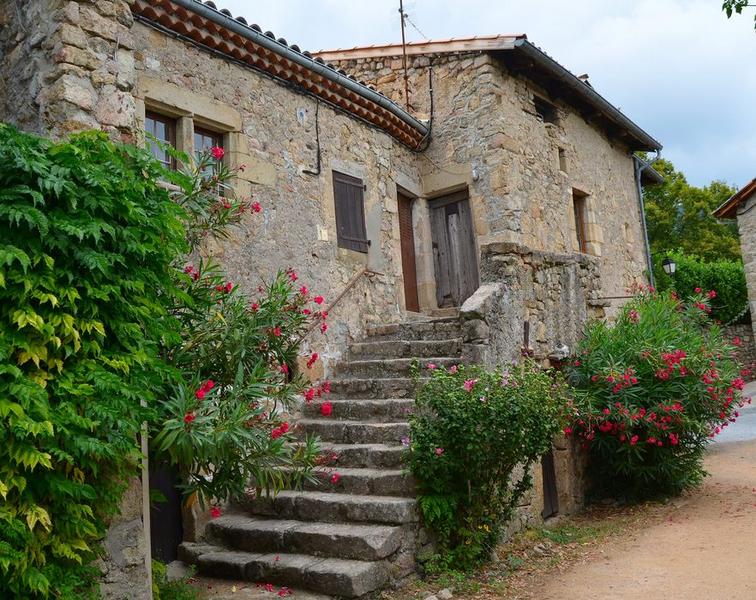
(704, 548)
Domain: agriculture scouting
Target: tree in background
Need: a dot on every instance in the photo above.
(680, 217)
(737, 6)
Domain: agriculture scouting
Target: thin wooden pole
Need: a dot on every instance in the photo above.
(404, 57)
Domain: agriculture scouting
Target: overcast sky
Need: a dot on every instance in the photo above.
(679, 68)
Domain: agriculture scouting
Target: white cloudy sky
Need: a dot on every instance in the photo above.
(678, 68)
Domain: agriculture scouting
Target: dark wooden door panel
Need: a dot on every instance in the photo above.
(407, 242)
(454, 251)
(550, 492)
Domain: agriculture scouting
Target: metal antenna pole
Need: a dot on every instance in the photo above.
(404, 57)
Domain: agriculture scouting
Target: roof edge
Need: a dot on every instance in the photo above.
(728, 209)
(579, 86)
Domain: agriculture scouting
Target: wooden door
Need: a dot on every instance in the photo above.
(407, 241)
(455, 256)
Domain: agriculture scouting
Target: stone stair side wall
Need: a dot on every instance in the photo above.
(556, 294)
(746, 353)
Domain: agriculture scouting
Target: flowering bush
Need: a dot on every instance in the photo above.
(223, 424)
(651, 391)
(474, 438)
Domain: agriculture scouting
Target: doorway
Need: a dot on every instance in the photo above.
(407, 243)
(455, 257)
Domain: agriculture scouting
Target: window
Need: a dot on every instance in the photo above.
(579, 207)
(562, 160)
(546, 110)
(348, 195)
(204, 139)
(163, 129)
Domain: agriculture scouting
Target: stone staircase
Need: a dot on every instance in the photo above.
(349, 537)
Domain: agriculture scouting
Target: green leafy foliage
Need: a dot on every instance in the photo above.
(183, 588)
(475, 436)
(679, 217)
(731, 7)
(725, 277)
(652, 390)
(87, 245)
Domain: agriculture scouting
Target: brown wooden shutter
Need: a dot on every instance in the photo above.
(348, 194)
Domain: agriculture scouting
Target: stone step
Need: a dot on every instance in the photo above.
(334, 508)
(420, 330)
(332, 540)
(391, 409)
(369, 482)
(365, 455)
(405, 348)
(390, 367)
(376, 388)
(354, 432)
(334, 576)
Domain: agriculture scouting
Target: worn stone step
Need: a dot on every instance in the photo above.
(353, 432)
(377, 482)
(421, 330)
(333, 540)
(336, 508)
(375, 388)
(406, 348)
(335, 576)
(390, 409)
(365, 455)
(390, 367)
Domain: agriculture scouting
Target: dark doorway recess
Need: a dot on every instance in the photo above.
(550, 493)
(455, 257)
(166, 528)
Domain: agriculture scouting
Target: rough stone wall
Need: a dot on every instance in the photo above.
(747, 231)
(486, 134)
(70, 63)
(273, 131)
(746, 352)
(68, 66)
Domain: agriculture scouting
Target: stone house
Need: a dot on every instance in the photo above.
(739, 206)
(489, 211)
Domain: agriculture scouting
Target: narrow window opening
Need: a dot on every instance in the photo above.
(562, 160)
(579, 207)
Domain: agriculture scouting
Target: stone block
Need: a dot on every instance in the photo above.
(72, 35)
(116, 108)
(70, 88)
(475, 330)
(479, 305)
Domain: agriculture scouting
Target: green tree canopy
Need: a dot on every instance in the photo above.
(680, 217)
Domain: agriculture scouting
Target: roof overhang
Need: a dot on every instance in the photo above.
(217, 31)
(729, 209)
(527, 60)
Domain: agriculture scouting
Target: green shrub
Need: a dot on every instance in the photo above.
(726, 277)
(171, 589)
(475, 436)
(87, 242)
(651, 391)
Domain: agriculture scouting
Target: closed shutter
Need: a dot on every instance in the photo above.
(348, 194)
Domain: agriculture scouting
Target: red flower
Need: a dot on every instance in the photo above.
(256, 207)
(634, 440)
(255, 307)
(594, 378)
(326, 387)
(277, 331)
(323, 327)
(318, 300)
(284, 368)
(189, 417)
(292, 275)
(312, 360)
(439, 451)
(737, 341)
(306, 312)
(284, 427)
(200, 394)
(303, 290)
(215, 512)
(229, 287)
(309, 394)
(326, 409)
(698, 290)
(335, 478)
(712, 294)
(567, 431)
(673, 439)
(217, 152)
(431, 366)
(634, 316)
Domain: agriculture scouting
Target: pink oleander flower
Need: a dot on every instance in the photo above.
(215, 512)
(217, 152)
(469, 384)
(439, 451)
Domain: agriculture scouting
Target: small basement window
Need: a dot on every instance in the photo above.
(349, 198)
(546, 110)
(163, 129)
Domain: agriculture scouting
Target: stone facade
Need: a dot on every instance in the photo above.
(90, 64)
(520, 171)
(747, 230)
(746, 352)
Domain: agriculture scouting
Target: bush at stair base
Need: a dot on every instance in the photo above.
(474, 436)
